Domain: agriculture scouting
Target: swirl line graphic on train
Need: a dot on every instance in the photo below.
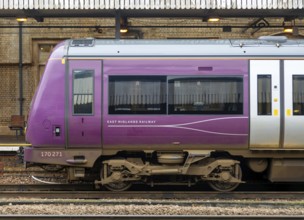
(183, 126)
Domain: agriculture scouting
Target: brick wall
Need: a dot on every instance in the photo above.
(8, 95)
(9, 86)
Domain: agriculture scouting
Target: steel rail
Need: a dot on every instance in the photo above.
(13, 172)
(84, 191)
(166, 202)
(147, 217)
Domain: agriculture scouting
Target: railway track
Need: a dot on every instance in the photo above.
(88, 191)
(74, 196)
(128, 199)
(106, 201)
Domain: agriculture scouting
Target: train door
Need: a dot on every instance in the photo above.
(84, 104)
(294, 103)
(264, 103)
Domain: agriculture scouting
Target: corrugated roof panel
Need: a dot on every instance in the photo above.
(151, 4)
(39, 4)
(15, 5)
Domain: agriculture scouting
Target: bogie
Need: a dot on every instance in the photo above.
(223, 174)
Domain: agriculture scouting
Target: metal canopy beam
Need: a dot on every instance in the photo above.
(117, 25)
(191, 13)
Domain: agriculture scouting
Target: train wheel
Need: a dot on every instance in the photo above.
(225, 186)
(119, 186)
(115, 186)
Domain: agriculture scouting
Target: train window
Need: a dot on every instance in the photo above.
(298, 94)
(264, 95)
(83, 91)
(208, 95)
(137, 95)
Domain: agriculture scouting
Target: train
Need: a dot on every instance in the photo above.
(171, 112)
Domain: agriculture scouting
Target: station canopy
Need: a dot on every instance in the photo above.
(152, 8)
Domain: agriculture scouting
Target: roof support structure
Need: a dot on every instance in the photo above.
(21, 99)
(117, 25)
(257, 25)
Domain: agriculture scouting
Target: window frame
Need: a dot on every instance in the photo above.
(167, 78)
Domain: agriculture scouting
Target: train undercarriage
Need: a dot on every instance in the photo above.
(222, 170)
(222, 174)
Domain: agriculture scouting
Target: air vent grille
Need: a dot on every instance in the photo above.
(82, 43)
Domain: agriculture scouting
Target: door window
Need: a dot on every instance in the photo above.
(83, 94)
(264, 95)
(298, 94)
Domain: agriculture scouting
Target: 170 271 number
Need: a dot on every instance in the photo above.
(51, 154)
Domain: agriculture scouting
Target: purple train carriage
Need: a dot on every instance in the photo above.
(171, 111)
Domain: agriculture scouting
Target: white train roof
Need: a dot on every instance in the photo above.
(266, 46)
